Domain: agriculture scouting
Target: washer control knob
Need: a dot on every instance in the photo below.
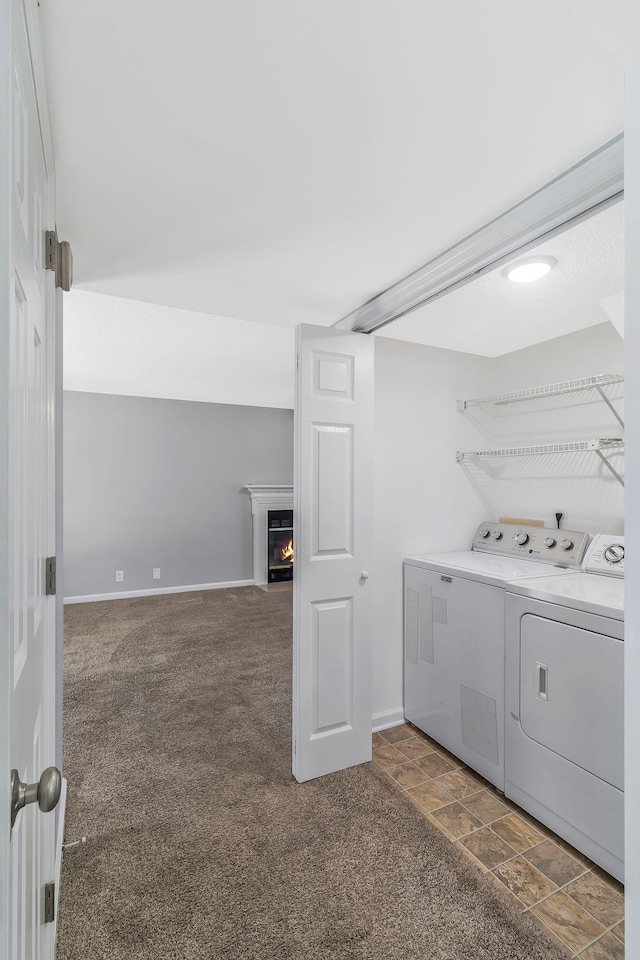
(484, 533)
(614, 553)
(567, 544)
(497, 535)
(550, 542)
(521, 539)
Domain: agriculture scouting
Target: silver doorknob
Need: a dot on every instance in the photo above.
(46, 791)
(364, 575)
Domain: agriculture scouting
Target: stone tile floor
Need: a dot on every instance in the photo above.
(576, 904)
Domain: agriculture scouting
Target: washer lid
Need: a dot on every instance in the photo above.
(583, 591)
(487, 567)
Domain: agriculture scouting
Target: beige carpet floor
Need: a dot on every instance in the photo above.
(201, 844)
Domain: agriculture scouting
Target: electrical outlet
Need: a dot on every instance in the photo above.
(119, 576)
(156, 573)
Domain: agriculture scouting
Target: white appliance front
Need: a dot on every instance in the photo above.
(454, 637)
(454, 679)
(564, 730)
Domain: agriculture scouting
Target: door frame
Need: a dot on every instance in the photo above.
(632, 509)
(6, 148)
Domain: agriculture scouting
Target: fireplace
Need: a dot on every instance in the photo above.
(279, 545)
(269, 499)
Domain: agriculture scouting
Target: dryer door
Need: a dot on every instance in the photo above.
(571, 694)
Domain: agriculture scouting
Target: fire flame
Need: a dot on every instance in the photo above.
(286, 552)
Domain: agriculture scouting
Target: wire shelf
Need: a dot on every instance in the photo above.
(596, 446)
(547, 390)
(613, 443)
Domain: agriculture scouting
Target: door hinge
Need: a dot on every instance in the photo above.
(59, 258)
(49, 902)
(51, 249)
(50, 576)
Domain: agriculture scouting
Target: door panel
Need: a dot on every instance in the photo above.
(333, 656)
(333, 515)
(27, 381)
(333, 490)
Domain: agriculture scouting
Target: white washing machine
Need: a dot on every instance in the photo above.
(454, 639)
(564, 736)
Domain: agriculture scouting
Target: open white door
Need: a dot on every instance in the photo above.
(27, 493)
(333, 521)
(632, 510)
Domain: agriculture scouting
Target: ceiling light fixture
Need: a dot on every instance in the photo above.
(533, 268)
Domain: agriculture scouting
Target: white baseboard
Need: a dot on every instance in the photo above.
(62, 806)
(388, 718)
(158, 591)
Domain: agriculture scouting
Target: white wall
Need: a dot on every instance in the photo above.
(426, 502)
(423, 501)
(578, 485)
(159, 483)
(130, 348)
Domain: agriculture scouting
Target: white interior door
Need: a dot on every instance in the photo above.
(333, 521)
(27, 500)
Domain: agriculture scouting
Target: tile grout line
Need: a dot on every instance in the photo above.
(599, 937)
(554, 936)
(563, 888)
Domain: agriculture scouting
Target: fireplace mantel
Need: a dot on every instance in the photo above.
(264, 497)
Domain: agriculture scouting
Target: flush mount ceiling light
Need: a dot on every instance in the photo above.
(532, 268)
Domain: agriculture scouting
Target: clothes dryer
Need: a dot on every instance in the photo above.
(564, 735)
(454, 634)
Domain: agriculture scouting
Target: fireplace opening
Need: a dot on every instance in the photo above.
(279, 545)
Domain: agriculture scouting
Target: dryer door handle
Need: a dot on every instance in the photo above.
(542, 681)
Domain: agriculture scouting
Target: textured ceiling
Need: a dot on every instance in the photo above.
(492, 315)
(282, 162)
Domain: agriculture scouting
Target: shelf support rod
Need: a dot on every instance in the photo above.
(604, 397)
(610, 467)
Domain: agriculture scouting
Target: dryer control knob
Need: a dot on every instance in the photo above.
(566, 544)
(614, 553)
(521, 539)
(484, 533)
(497, 535)
(549, 542)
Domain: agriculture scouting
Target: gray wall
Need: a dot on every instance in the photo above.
(157, 483)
